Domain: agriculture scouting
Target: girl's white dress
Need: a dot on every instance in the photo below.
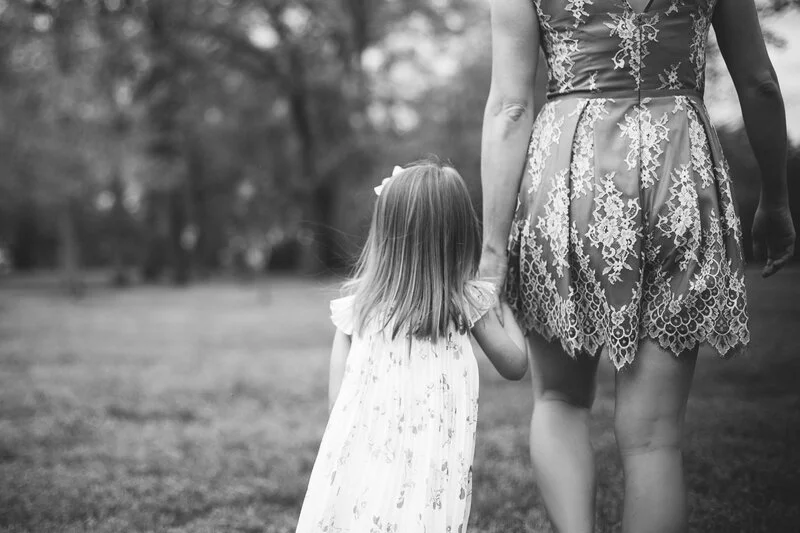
(397, 453)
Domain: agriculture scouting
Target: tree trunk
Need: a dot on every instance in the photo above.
(179, 253)
(25, 242)
(166, 99)
(69, 250)
(196, 198)
(312, 250)
(63, 26)
(320, 253)
(120, 276)
(156, 235)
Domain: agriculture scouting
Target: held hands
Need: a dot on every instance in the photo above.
(493, 267)
(773, 237)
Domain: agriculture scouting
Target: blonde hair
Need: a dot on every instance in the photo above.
(423, 246)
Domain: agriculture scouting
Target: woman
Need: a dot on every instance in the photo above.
(611, 224)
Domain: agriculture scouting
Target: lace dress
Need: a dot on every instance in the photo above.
(626, 225)
(396, 456)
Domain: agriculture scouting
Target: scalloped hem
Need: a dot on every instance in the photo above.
(740, 349)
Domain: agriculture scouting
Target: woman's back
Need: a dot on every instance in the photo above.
(605, 45)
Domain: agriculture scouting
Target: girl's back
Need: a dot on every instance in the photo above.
(397, 454)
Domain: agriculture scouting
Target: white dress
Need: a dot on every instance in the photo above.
(397, 453)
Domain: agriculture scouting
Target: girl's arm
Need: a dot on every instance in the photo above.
(341, 347)
(507, 124)
(745, 53)
(503, 345)
(512, 328)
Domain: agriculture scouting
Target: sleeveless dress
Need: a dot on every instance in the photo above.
(626, 226)
(396, 456)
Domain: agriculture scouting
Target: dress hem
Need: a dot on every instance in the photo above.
(740, 349)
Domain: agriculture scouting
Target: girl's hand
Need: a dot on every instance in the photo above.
(773, 233)
(500, 345)
(493, 268)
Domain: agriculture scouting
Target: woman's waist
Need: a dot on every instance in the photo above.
(625, 94)
(593, 73)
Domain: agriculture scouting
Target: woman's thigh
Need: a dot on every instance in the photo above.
(651, 400)
(557, 376)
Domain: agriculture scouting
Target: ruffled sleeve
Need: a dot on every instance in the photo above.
(481, 296)
(342, 314)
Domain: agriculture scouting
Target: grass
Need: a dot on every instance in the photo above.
(201, 410)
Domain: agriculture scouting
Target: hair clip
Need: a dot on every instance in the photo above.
(397, 170)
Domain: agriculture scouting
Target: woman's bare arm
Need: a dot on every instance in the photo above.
(745, 53)
(507, 123)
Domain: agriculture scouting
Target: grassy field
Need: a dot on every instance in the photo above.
(159, 409)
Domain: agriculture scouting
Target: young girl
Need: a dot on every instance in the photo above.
(397, 453)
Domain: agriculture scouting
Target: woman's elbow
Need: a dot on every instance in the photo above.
(515, 109)
(509, 116)
(761, 86)
(511, 109)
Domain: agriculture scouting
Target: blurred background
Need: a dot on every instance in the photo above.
(229, 148)
(173, 140)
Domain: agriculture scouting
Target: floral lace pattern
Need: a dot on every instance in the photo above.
(646, 137)
(578, 10)
(635, 32)
(681, 219)
(615, 228)
(560, 48)
(606, 252)
(582, 165)
(712, 310)
(669, 78)
(633, 232)
(701, 23)
(546, 132)
(733, 225)
(673, 7)
(593, 45)
(397, 453)
(552, 224)
(698, 146)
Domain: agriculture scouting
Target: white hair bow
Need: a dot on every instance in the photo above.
(395, 171)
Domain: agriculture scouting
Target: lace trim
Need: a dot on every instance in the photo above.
(713, 310)
(610, 284)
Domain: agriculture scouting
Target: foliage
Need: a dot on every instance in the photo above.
(180, 136)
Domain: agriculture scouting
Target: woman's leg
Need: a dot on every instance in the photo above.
(651, 403)
(561, 453)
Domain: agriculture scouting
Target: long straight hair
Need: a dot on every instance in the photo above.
(423, 246)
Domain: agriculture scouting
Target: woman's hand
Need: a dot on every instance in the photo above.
(773, 233)
(493, 268)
